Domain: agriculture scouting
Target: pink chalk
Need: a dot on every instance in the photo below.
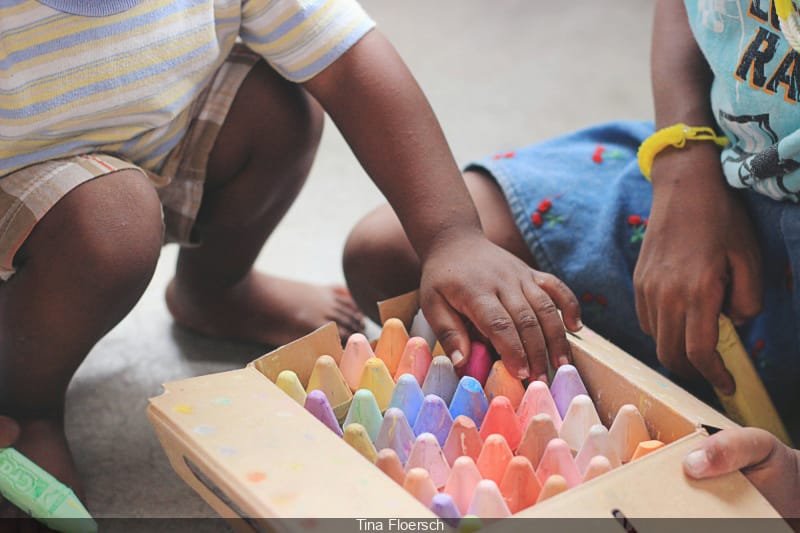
(416, 359)
(479, 363)
(557, 459)
(537, 400)
(463, 439)
(501, 419)
(464, 477)
(427, 454)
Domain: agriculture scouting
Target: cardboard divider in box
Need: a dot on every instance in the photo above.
(256, 455)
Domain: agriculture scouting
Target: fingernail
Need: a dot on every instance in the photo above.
(542, 378)
(456, 357)
(579, 323)
(563, 360)
(696, 463)
(523, 373)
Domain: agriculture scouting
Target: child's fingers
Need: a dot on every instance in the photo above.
(492, 318)
(746, 289)
(9, 431)
(563, 297)
(731, 450)
(449, 329)
(670, 342)
(552, 327)
(529, 318)
(702, 333)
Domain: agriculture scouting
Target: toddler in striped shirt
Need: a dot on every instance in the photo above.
(128, 123)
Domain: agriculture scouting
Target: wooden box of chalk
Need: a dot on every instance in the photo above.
(392, 430)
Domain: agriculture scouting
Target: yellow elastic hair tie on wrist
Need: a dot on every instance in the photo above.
(676, 136)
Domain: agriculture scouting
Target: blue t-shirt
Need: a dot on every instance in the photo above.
(755, 93)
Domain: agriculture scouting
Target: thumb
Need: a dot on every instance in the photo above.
(730, 450)
(450, 330)
(9, 431)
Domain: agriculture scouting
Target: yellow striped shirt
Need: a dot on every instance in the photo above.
(119, 76)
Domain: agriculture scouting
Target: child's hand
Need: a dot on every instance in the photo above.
(772, 467)
(699, 246)
(9, 431)
(514, 306)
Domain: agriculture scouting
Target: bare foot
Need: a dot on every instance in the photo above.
(43, 442)
(264, 309)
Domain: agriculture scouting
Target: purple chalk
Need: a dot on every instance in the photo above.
(318, 405)
(396, 433)
(566, 385)
(434, 417)
(441, 379)
(444, 507)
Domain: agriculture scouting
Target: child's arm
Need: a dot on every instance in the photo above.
(771, 466)
(380, 110)
(699, 242)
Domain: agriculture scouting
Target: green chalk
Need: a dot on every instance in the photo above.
(29, 487)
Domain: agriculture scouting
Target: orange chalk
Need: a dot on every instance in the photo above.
(581, 416)
(426, 453)
(389, 464)
(501, 419)
(520, 486)
(501, 383)
(487, 502)
(627, 431)
(356, 436)
(391, 343)
(327, 377)
(419, 484)
(494, 458)
(646, 447)
(356, 353)
(598, 442)
(464, 477)
(541, 430)
(597, 466)
(553, 485)
(537, 400)
(416, 359)
(289, 383)
(557, 459)
(463, 439)
(376, 378)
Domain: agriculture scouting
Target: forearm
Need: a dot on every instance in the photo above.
(681, 80)
(376, 104)
(681, 77)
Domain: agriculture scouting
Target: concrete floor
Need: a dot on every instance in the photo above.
(499, 75)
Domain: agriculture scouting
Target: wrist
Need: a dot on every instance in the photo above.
(676, 136)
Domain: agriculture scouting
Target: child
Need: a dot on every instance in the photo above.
(127, 120)
(654, 265)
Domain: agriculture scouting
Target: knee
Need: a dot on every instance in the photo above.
(378, 260)
(107, 231)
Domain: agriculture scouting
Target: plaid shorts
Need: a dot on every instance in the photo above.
(28, 194)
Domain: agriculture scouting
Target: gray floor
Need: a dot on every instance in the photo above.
(500, 74)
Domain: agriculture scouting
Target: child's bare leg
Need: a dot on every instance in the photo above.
(379, 261)
(257, 167)
(81, 270)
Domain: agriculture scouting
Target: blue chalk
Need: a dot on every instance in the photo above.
(470, 400)
(407, 396)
